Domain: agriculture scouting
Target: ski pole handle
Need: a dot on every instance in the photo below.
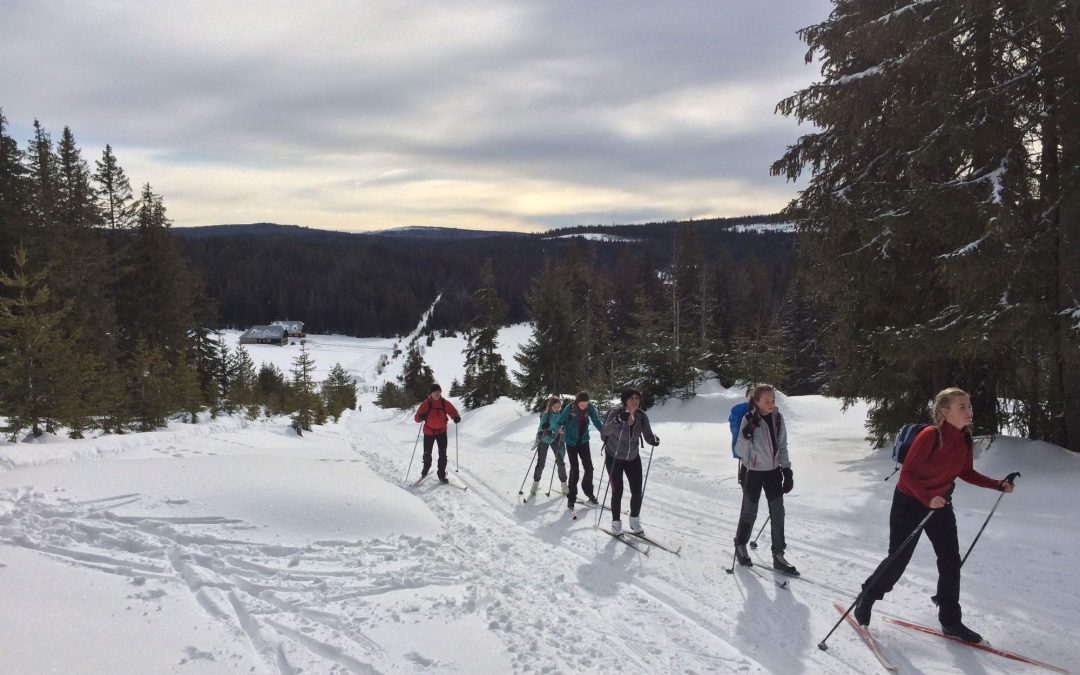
(1011, 477)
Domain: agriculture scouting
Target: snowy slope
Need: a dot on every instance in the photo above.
(231, 546)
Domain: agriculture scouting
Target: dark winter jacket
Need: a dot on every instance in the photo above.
(931, 469)
(437, 415)
(548, 429)
(623, 441)
(766, 449)
(568, 419)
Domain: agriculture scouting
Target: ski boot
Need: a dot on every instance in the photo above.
(535, 488)
(635, 525)
(782, 565)
(962, 632)
(616, 527)
(742, 556)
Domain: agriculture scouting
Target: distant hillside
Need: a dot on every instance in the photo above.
(378, 283)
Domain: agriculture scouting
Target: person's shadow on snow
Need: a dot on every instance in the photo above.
(776, 628)
(615, 565)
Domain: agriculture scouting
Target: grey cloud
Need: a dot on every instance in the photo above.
(536, 91)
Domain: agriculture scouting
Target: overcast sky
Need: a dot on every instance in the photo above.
(361, 115)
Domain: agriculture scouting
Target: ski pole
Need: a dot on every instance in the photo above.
(880, 572)
(551, 481)
(415, 443)
(731, 570)
(457, 446)
(652, 449)
(603, 453)
(600, 512)
(1008, 479)
(536, 446)
(753, 544)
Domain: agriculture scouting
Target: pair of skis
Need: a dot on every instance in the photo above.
(448, 483)
(882, 657)
(641, 543)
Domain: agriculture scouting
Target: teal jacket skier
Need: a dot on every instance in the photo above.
(574, 421)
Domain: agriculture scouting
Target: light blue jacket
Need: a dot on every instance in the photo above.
(568, 419)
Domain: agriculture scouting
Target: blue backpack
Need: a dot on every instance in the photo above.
(903, 442)
(738, 411)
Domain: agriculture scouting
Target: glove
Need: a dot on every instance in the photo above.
(742, 473)
(423, 417)
(656, 440)
(753, 420)
(788, 482)
(623, 416)
(457, 419)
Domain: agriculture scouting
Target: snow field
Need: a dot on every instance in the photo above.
(231, 546)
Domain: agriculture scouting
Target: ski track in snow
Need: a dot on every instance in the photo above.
(555, 594)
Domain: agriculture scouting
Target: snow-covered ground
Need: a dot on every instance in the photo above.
(230, 546)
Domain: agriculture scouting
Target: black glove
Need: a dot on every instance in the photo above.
(457, 419)
(742, 473)
(623, 416)
(753, 421)
(788, 482)
(656, 440)
(423, 417)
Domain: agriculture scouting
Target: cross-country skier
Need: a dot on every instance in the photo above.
(624, 427)
(436, 412)
(548, 435)
(939, 455)
(574, 420)
(762, 450)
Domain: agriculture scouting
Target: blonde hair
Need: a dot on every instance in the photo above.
(943, 400)
(760, 390)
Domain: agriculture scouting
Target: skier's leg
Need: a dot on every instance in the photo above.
(541, 459)
(441, 438)
(586, 471)
(633, 476)
(748, 513)
(572, 486)
(615, 471)
(904, 517)
(429, 443)
(774, 494)
(941, 530)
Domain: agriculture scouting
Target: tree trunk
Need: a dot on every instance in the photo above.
(1069, 230)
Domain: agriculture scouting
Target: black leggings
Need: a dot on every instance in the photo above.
(579, 452)
(541, 460)
(632, 468)
(941, 529)
(753, 485)
(429, 442)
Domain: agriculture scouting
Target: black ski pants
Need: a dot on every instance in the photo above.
(771, 482)
(632, 470)
(941, 529)
(541, 460)
(576, 453)
(429, 442)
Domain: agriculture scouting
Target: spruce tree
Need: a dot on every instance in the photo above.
(305, 402)
(150, 384)
(545, 361)
(416, 376)
(485, 373)
(37, 388)
(339, 392)
(14, 193)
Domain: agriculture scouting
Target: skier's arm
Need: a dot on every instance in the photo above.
(646, 430)
(970, 475)
(595, 417)
(743, 445)
(781, 443)
(422, 411)
(916, 469)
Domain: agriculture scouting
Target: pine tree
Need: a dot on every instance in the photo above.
(114, 195)
(650, 363)
(545, 361)
(932, 245)
(305, 401)
(339, 392)
(271, 389)
(244, 382)
(416, 376)
(14, 193)
(150, 384)
(36, 354)
(485, 373)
